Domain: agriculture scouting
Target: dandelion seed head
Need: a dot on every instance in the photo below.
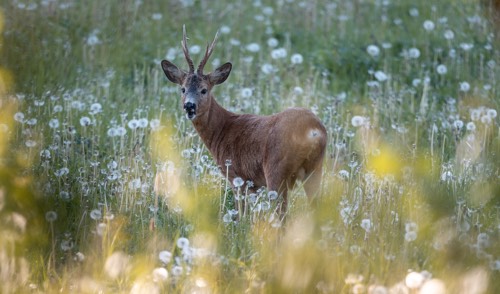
(54, 123)
(58, 108)
(464, 86)
(61, 172)
(30, 143)
(65, 195)
(441, 69)
(246, 92)
(45, 153)
(475, 114)
(160, 274)
(446, 176)
(19, 117)
(93, 39)
(411, 227)
(67, 245)
(278, 53)
(112, 132)
(373, 50)
(50, 216)
(31, 121)
(177, 270)
(410, 236)
(381, 76)
(486, 119)
(344, 174)
(195, 49)
(182, 242)
(492, 113)
(120, 131)
(133, 124)
(429, 25)
(80, 257)
(449, 34)
(95, 108)
(296, 58)
(272, 42)
(142, 123)
(358, 121)
(366, 224)
(225, 29)
(227, 218)
(157, 16)
(155, 124)
(414, 53)
(458, 124)
(95, 214)
(238, 182)
(471, 126)
(253, 47)
(267, 68)
(85, 121)
(414, 280)
(272, 195)
(466, 46)
(165, 256)
(434, 286)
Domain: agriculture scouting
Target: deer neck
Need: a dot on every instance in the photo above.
(210, 124)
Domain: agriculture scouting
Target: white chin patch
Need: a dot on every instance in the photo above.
(190, 116)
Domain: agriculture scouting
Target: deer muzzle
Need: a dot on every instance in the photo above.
(190, 109)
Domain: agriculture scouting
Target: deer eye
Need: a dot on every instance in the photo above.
(204, 91)
(183, 90)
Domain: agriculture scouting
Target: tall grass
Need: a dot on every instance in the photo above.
(106, 187)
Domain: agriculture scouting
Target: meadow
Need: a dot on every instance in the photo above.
(105, 186)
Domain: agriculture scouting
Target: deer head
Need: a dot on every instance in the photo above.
(196, 86)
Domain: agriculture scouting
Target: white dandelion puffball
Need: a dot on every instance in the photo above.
(429, 25)
(441, 69)
(373, 50)
(414, 280)
(165, 256)
(238, 182)
(464, 86)
(253, 47)
(182, 242)
(160, 274)
(357, 121)
(296, 58)
(381, 76)
(434, 286)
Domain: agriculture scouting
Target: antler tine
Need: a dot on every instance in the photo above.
(185, 49)
(208, 52)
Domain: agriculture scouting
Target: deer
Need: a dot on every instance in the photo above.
(273, 151)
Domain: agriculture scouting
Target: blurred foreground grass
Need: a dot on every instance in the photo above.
(105, 187)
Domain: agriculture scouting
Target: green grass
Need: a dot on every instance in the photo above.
(414, 188)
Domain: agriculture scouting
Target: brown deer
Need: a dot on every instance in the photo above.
(273, 151)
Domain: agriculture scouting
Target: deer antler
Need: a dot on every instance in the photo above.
(208, 52)
(185, 49)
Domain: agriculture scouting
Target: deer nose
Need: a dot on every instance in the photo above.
(190, 109)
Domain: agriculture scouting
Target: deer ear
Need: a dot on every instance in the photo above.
(173, 73)
(220, 75)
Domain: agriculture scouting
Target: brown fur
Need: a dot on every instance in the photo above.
(273, 151)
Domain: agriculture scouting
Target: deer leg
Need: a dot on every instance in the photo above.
(275, 181)
(312, 182)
